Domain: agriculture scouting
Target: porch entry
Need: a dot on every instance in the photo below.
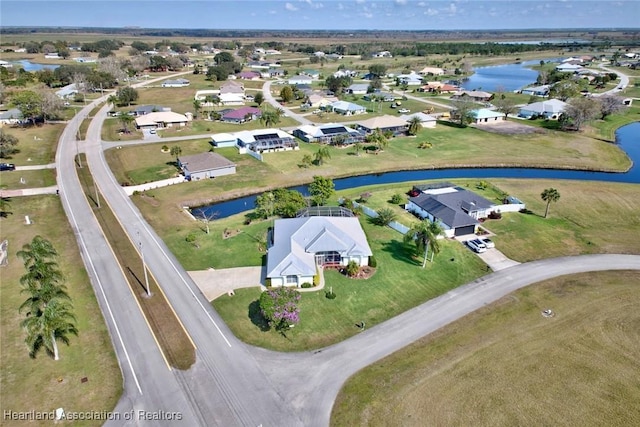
(328, 258)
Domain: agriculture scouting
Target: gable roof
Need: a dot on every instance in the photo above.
(160, 117)
(382, 122)
(485, 113)
(13, 113)
(346, 106)
(297, 240)
(424, 118)
(241, 113)
(548, 106)
(231, 87)
(204, 162)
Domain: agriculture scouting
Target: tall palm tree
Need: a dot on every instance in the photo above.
(197, 106)
(321, 155)
(38, 250)
(54, 324)
(424, 235)
(414, 126)
(269, 117)
(126, 120)
(549, 195)
(357, 146)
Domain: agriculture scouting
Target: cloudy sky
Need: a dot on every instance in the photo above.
(325, 14)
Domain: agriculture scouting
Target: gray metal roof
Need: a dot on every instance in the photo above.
(452, 207)
(204, 162)
(296, 240)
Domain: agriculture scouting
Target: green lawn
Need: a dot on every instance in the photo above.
(507, 365)
(589, 218)
(398, 284)
(43, 384)
(37, 144)
(18, 180)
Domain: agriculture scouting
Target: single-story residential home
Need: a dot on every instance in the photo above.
(5, 64)
(314, 74)
(382, 54)
(345, 73)
(161, 119)
(475, 95)
(330, 133)
(346, 108)
(261, 140)
(248, 75)
(272, 52)
(426, 120)
(205, 165)
(52, 55)
(299, 246)
(542, 90)
(358, 88)
(550, 109)
(67, 92)
(300, 80)
(222, 140)
(568, 68)
(10, 117)
(386, 123)
(435, 71)
(231, 87)
(455, 208)
(275, 72)
(85, 59)
(141, 110)
(241, 115)
(484, 115)
(411, 79)
(438, 87)
(231, 98)
(384, 96)
(317, 100)
(176, 83)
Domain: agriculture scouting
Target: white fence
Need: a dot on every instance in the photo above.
(400, 228)
(255, 154)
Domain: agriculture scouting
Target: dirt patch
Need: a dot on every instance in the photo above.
(509, 128)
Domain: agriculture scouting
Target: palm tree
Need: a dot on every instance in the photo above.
(176, 150)
(357, 147)
(270, 117)
(126, 120)
(414, 126)
(54, 323)
(197, 106)
(549, 195)
(321, 155)
(424, 235)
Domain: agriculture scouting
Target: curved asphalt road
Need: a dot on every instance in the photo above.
(232, 383)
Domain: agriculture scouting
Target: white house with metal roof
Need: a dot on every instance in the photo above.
(329, 133)
(346, 108)
(549, 109)
(484, 115)
(299, 246)
(161, 119)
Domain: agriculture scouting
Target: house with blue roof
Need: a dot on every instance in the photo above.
(484, 115)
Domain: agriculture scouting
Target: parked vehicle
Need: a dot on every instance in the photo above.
(476, 245)
(487, 242)
(404, 111)
(7, 167)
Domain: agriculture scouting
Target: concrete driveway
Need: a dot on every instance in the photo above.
(495, 259)
(213, 283)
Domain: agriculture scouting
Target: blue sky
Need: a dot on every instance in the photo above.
(324, 14)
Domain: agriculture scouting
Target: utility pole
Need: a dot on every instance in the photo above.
(144, 267)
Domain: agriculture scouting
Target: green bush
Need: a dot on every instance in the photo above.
(397, 198)
(373, 262)
(306, 285)
(191, 237)
(352, 269)
(330, 295)
(316, 279)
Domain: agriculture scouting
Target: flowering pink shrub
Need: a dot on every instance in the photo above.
(280, 307)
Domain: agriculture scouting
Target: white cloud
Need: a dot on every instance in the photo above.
(422, 4)
(290, 7)
(452, 9)
(313, 5)
(361, 1)
(401, 2)
(272, 12)
(431, 12)
(340, 6)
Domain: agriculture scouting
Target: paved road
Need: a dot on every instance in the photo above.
(624, 82)
(311, 380)
(232, 383)
(266, 91)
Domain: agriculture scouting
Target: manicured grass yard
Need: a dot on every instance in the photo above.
(34, 384)
(398, 284)
(590, 217)
(32, 178)
(506, 364)
(37, 143)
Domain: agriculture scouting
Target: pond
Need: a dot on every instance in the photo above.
(627, 137)
(32, 66)
(509, 77)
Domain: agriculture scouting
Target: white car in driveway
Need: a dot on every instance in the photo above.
(477, 246)
(487, 242)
